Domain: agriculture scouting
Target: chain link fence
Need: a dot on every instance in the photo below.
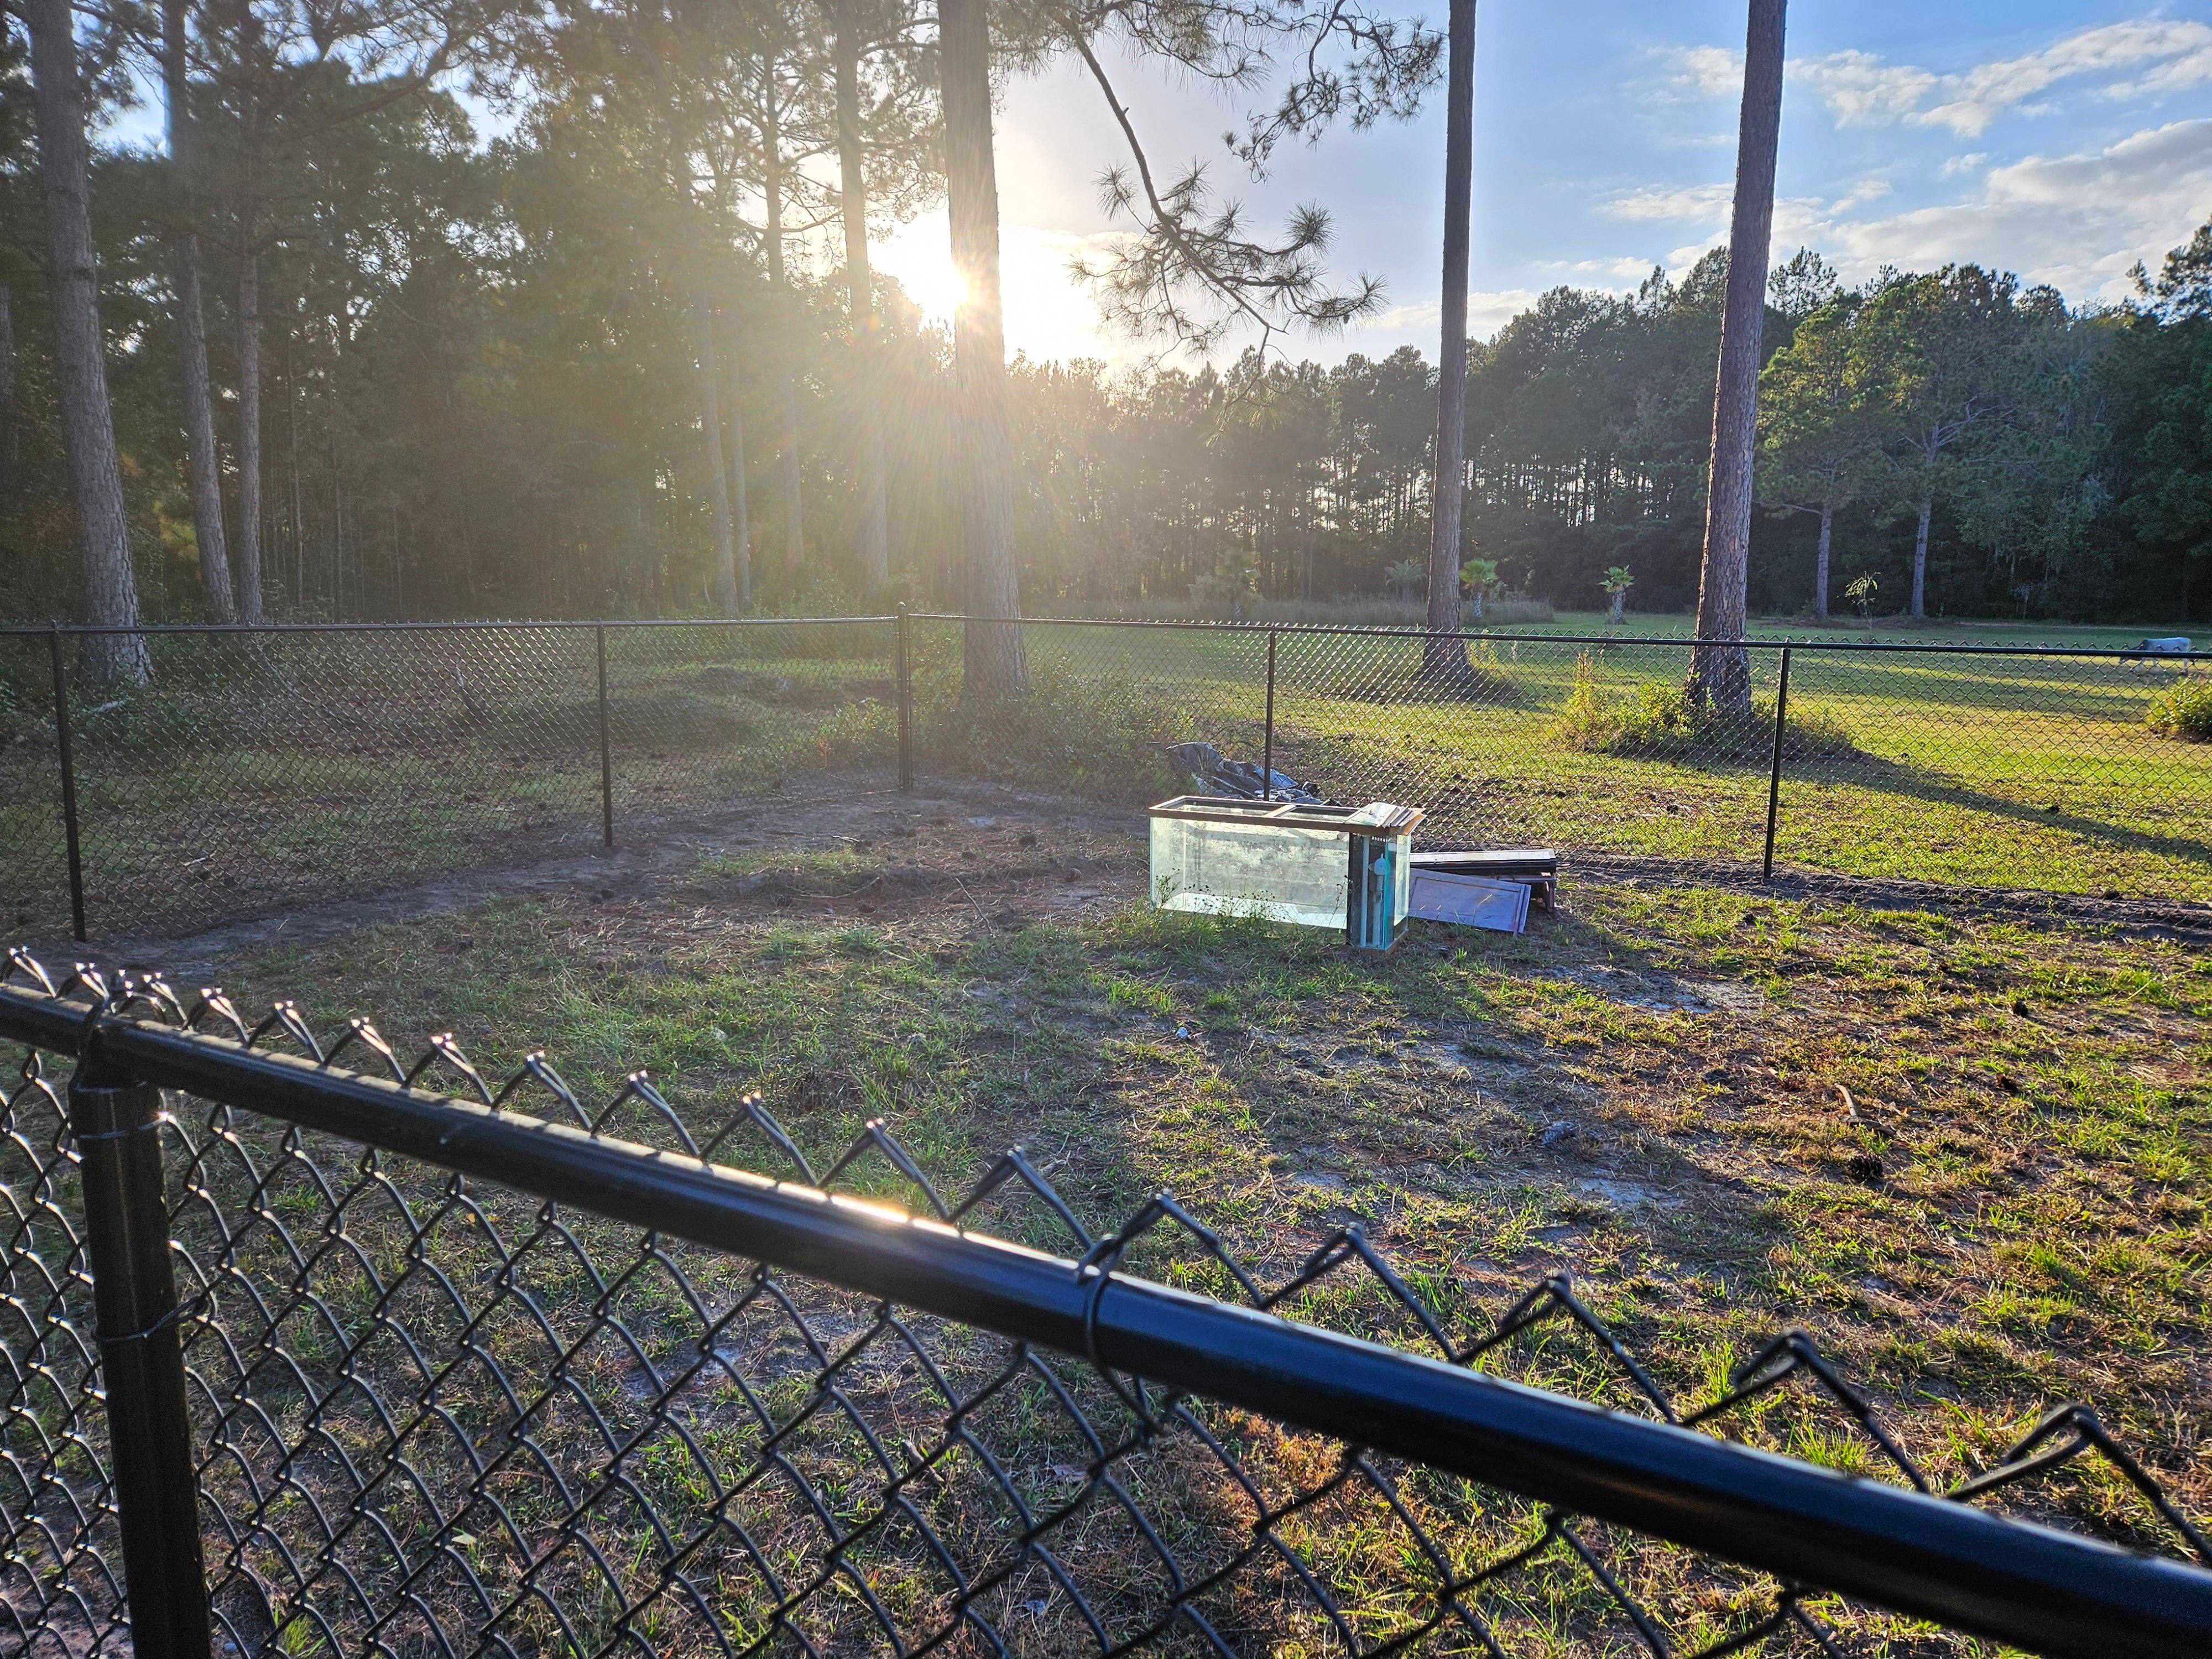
(442, 1377)
(260, 769)
(263, 769)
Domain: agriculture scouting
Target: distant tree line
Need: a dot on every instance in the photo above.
(628, 357)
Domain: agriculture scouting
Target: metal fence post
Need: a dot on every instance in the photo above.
(606, 754)
(903, 667)
(116, 1124)
(1267, 743)
(1774, 777)
(69, 782)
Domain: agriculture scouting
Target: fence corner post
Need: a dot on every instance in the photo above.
(116, 1123)
(1774, 777)
(607, 754)
(1267, 742)
(64, 753)
(902, 669)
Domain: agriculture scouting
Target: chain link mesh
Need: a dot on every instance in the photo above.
(435, 1415)
(261, 770)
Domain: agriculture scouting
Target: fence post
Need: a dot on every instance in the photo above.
(116, 1123)
(903, 668)
(68, 783)
(606, 754)
(1267, 743)
(1774, 777)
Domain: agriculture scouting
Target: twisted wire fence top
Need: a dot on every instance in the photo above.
(439, 1415)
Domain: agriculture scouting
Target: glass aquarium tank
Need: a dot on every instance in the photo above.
(1345, 867)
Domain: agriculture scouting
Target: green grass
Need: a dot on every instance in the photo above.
(2031, 1103)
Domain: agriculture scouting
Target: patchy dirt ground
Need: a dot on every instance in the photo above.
(1966, 1145)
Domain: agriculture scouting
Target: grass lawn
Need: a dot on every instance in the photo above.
(1971, 1156)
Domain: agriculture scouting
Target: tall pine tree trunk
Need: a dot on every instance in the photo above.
(734, 433)
(1444, 661)
(110, 593)
(1920, 558)
(202, 467)
(782, 325)
(11, 450)
(1820, 564)
(875, 562)
(718, 486)
(1720, 674)
(995, 663)
(249, 417)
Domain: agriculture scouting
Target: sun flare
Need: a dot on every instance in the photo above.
(1048, 314)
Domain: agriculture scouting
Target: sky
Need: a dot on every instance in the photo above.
(2063, 142)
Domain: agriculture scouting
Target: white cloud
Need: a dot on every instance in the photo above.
(2145, 57)
(1488, 311)
(2078, 221)
(1709, 71)
(1959, 164)
(1860, 89)
(1673, 203)
(1870, 189)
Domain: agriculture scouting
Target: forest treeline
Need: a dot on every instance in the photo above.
(458, 372)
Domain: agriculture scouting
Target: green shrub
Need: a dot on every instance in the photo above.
(1090, 735)
(2184, 709)
(1663, 722)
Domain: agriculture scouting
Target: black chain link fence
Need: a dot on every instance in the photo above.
(443, 1396)
(262, 769)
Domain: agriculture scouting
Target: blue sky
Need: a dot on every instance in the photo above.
(2063, 142)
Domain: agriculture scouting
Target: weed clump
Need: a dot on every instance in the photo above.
(2184, 709)
(1664, 722)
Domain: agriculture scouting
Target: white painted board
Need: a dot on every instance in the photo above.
(1470, 901)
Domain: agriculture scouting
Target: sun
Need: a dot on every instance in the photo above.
(919, 257)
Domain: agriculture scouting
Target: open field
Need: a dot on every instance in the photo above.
(1968, 1151)
(255, 777)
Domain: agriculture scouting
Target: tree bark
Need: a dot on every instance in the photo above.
(249, 417)
(1444, 661)
(203, 470)
(1820, 564)
(994, 664)
(110, 595)
(875, 562)
(1722, 674)
(794, 534)
(1920, 559)
(11, 450)
(718, 488)
(734, 431)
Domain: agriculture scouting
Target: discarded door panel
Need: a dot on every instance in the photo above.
(1536, 867)
(1470, 901)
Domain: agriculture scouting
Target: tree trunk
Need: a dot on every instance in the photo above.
(1722, 674)
(794, 534)
(1620, 602)
(249, 419)
(1820, 564)
(1444, 661)
(875, 562)
(994, 664)
(733, 430)
(110, 597)
(1920, 560)
(718, 488)
(11, 449)
(204, 469)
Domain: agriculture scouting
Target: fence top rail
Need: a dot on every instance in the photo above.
(2048, 1591)
(1678, 641)
(40, 630)
(1900, 647)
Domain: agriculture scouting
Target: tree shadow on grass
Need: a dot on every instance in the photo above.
(1922, 784)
